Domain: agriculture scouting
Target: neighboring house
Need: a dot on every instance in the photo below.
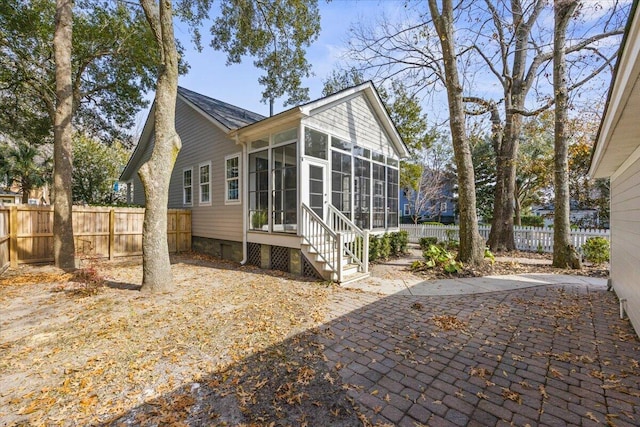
(298, 191)
(617, 155)
(8, 197)
(441, 209)
(576, 215)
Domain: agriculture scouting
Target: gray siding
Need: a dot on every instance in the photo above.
(138, 190)
(202, 141)
(625, 240)
(353, 120)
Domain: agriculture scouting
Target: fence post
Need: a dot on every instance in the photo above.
(13, 236)
(112, 236)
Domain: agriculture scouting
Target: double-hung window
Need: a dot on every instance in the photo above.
(205, 183)
(187, 186)
(232, 174)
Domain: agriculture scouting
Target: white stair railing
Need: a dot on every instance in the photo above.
(356, 241)
(324, 241)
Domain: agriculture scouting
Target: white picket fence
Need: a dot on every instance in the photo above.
(527, 238)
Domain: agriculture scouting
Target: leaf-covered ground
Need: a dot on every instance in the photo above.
(230, 346)
(72, 357)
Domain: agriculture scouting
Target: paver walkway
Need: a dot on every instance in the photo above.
(550, 355)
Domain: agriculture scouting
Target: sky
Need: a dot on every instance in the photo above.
(238, 84)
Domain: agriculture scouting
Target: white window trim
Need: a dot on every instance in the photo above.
(200, 184)
(406, 211)
(228, 201)
(184, 202)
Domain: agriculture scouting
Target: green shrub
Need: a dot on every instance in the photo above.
(437, 256)
(431, 223)
(532, 221)
(399, 242)
(385, 246)
(488, 254)
(596, 250)
(425, 242)
(379, 247)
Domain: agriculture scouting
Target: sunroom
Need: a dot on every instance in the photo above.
(323, 176)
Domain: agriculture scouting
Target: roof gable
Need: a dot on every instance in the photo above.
(229, 116)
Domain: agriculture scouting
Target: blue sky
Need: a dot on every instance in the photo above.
(238, 83)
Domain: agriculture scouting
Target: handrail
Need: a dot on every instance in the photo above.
(322, 239)
(356, 241)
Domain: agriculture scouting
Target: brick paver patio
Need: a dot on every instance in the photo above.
(551, 355)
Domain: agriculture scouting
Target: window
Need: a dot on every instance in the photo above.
(286, 136)
(443, 207)
(259, 190)
(340, 144)
(232, 174)
(315, 144)
(361, 192)
(187, 187)
(341, 182)
(205, 183)
(285, 188)
(392, 198)
(407, 210)
(378, 196)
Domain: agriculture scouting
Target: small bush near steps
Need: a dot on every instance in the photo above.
(596, 250)
(437, 256)
(388, 244)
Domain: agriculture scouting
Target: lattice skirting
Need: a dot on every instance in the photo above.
(308, 270)
(253, 254)
(280, 258)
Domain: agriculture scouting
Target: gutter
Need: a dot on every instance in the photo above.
(245, 204)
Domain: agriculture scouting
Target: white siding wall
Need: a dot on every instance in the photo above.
(625, 240)
(353, 120)
(203, 142)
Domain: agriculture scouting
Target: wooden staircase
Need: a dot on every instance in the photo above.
(338, 251)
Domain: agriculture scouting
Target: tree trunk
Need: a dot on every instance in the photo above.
(471, 243)
(63, 244)
(155, 174)
(564, 254)
(517, 209)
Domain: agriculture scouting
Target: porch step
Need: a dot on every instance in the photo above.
(354, 278)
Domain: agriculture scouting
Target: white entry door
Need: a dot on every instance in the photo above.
(317, 188)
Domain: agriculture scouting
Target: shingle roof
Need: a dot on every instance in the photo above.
(228, 115)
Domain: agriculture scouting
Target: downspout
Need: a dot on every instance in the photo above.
(245, 196)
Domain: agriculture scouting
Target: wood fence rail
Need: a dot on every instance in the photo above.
(526, 238)
(26, 233)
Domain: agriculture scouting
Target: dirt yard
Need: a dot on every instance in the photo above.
(72, 353)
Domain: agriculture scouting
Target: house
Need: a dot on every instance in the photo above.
(299, 191)
(582, 217)
(440, 207)
(9, 197)
(616, 154)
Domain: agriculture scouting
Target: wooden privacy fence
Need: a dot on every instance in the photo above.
(527, 238)
(26, 233)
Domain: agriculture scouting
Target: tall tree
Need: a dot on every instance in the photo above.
(502, 40)
(245, 27)
(276, 35)
(471, 243)
(111, 70)
(63, 244)
(564, 255)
